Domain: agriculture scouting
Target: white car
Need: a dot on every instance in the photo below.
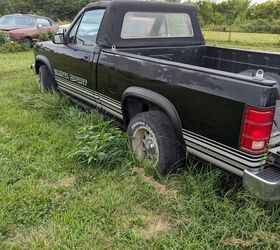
(63, 28)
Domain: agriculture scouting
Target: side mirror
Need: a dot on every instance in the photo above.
(39, 26)
(58, 38)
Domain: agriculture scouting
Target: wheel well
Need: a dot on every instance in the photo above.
(29, 38)
(134, 105)
(38, 65)
(136, 100)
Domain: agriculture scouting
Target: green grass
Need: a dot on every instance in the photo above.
(256, 41)
(49, 200)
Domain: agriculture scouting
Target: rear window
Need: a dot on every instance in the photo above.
(156, 25)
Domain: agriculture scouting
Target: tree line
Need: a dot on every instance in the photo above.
(56, 9)
(228, 15)
(240, 15)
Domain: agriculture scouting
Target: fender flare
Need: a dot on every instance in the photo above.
(42, 59)
(158, 100)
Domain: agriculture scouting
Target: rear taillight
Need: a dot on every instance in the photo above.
(256, 129)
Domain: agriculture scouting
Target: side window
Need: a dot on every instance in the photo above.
(43, 22)
(73, 31)
(84, 32)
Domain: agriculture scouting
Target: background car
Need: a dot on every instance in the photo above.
(63, 28)
(26, 28)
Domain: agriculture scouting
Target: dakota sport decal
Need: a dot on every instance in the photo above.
(70, 77)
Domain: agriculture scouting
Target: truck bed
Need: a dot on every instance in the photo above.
(224, 59)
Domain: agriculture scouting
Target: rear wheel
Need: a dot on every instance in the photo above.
(154, 142)
(45, 79)
(28, 42)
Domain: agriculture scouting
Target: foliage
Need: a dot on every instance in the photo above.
(6, 46)
(45, 37)
(52, 8)
(262, 25)
(12, 47)
(3, 38)
(239, 15)
(101, 145)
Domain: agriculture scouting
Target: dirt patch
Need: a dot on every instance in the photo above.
(5, 134)
(67, 182)
(57, 198)
(161, 189)
(154, 227)
(149, 180)
(237, 242)
(62, 183)
(30, 236)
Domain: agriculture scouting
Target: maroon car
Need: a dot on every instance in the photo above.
(26, 28)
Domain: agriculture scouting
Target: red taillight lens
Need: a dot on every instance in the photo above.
(256, 129)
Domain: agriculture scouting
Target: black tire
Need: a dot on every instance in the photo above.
(267, 75)
(171, 154)
(45, 79)
(28, 42)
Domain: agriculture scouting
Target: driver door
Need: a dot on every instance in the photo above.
(74, 63)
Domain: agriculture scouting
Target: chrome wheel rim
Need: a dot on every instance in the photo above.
(40, 77)
(145, 146)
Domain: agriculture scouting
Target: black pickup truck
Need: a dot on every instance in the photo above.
(147, 65)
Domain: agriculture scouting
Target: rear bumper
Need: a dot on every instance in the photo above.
(264, 184)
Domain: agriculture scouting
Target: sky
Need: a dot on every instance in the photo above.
(258, 1)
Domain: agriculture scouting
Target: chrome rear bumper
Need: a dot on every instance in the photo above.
(264, 184)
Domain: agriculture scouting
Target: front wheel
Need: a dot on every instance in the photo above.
(45, 79)
(154, 142)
